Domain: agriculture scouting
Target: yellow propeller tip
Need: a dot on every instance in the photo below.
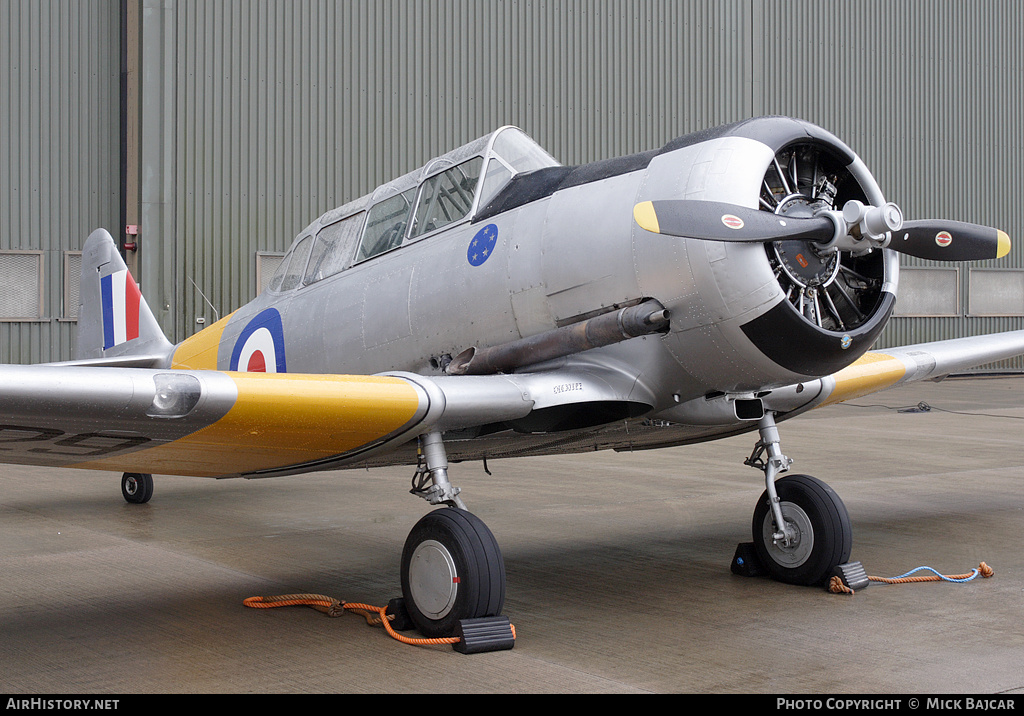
(645, 217)
(1003, 246)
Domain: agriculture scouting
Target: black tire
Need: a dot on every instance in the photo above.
(137, 487)
(452, 569)
(825, 535)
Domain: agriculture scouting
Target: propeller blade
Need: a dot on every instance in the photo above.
(718, 221)
(934, 239)
(940, 240)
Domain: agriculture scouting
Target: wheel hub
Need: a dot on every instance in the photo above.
(797, 549)
(433, 579)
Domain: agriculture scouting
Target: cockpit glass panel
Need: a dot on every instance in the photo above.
(297, 264)
(333, 248)
(520, 152)
(385, 225)
(497, 176)
(278, 277)
(447, 197)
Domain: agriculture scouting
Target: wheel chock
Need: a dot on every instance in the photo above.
(400, 619)
(852, 575)
(484, 634)
(745, 562)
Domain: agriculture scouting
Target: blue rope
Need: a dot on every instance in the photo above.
(940, 576)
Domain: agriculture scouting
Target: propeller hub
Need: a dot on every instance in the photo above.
(800, 260)
(804, 266)
(873, 221)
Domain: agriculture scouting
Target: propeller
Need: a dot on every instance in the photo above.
(856, 228)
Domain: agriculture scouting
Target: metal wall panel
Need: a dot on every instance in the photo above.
(259, 115)
(285, 110)
(59, 166)
(996, 292)
(929, 94)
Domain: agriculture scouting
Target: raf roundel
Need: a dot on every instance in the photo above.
(482, 245)
(260, 346)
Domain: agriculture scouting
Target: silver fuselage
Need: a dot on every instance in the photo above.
(559, 259)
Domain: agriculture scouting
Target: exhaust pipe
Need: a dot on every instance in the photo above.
(642, 319)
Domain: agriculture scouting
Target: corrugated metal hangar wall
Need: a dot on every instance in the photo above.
(221, 129)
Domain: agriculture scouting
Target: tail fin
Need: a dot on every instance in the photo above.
(115, 325)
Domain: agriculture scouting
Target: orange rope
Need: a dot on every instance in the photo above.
(836, 585)
(374, 616)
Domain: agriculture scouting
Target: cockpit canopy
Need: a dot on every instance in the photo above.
(446, 191)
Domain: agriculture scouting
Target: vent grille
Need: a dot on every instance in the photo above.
(72, 281)
(267, 264)
(21, 279)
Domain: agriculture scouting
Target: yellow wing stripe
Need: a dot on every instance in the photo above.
(281, 420)
(868, 374)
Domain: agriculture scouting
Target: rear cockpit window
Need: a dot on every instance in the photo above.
(278, 277)
(292, 272)
(332, 251)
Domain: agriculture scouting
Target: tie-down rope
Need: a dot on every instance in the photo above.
(837, 587)
(375, 616)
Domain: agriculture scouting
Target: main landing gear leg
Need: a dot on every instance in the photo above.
(433, 465)
(801, 528)
(452, 569)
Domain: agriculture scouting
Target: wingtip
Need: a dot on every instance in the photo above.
(644, 215)
(1003, 245)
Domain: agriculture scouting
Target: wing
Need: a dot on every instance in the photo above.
(227, 424)
(222, 424)
(216, 424)
(880, 370)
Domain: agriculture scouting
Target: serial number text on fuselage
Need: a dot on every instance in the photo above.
(567, 388)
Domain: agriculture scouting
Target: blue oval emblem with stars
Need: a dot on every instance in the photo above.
(482, 245)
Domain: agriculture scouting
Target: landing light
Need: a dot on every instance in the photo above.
(175, 396)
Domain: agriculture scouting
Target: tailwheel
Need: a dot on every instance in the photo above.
(816, 538)
(452, 570)
(137, 487)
